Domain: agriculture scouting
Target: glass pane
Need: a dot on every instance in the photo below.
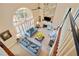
(24, 28)
(21, 29)
(17, 29)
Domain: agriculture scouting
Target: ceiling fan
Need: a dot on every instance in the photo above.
(38, 8)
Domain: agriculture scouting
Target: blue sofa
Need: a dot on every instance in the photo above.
(30, 46)
(31, 31)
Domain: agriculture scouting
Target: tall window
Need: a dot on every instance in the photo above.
(23, 20)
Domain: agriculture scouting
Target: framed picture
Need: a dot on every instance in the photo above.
(5, 35)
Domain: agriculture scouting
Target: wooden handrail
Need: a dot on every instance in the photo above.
(6, 49)
(57, 42)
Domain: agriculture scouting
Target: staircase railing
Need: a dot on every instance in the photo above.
(55, 46)
(74, 32)
(67, 42)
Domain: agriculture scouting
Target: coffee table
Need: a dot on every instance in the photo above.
(39, 36)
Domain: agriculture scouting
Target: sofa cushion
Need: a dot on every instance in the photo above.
(31, 31)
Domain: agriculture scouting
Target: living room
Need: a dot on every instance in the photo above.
(31, 29)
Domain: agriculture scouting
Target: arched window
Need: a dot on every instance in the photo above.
(23, 20)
